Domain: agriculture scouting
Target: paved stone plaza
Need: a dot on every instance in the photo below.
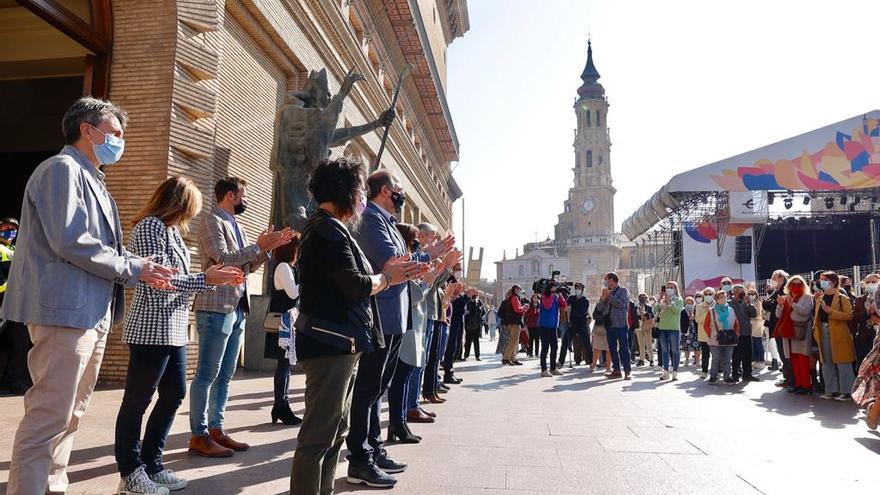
(508, 431)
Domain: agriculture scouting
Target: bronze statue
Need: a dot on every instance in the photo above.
(305, 130)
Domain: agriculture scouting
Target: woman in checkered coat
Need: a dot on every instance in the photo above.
(155, 330)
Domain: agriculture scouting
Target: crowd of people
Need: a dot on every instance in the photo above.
(823, 335)
(366, 305)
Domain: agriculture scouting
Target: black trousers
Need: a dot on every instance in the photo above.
(375, 371)
(432, 363)
(548, 342)
(150, 367)
(572, 335)
(282, 382)
(742, 356)
(705, 354)
(17, 343)
(534, 341)
(787, 370)
(453, 347)
(472, 337)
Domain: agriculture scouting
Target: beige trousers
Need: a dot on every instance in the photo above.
(513, 343)
(646, 351)
(64, 364)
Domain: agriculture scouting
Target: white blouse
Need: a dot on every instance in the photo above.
(283, 279)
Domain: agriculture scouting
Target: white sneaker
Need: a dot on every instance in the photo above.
(169, 480)
(138, 483)
(545, 374)
(703, 374)
(664, 375)
(555, 372)
(674, 375)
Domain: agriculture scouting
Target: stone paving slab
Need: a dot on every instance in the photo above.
(507, 431)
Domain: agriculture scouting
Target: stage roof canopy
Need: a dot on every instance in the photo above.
(841, 156)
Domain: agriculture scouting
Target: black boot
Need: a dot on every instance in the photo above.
(281, 412)
(406, 427)
(401, 434)
(774, 366)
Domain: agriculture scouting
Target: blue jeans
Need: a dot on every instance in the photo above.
(670, 348)
(758, 349)
(415, 381)
(397, 393)
(219, 345)
(618, 346)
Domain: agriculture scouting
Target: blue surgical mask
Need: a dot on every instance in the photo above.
(670, 291)
(605, 283)
(9, 234)
(690, 307)
(825, 284)
(110, 151)
(726, 287)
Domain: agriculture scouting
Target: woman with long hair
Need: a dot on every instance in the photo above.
(794, 307)
(668, 310)
(531, 321)
(155, 330)
(281, 343)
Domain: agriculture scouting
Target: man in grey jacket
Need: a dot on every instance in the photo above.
(742, 353)
(616, 297)
(67, 285)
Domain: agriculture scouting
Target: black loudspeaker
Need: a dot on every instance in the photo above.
(676, 246)
(743, 254)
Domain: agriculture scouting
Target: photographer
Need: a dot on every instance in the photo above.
(578, 326)
(512, 319)
(548, 322)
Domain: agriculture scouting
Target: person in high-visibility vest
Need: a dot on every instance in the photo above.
(15, 341)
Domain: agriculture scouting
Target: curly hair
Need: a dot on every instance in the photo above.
(338, 181)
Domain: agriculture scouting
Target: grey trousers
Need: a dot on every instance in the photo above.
(329, 387)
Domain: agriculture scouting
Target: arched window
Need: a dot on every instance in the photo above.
(589, 158)
(536, 267)
(598, 119)
(522, 271)
(588, 118)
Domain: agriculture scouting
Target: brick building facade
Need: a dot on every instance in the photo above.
(202, 79)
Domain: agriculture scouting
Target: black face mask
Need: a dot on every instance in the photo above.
(415, 247)
(239, 208)
(398, 198)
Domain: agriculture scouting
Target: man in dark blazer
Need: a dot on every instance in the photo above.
(380, 240)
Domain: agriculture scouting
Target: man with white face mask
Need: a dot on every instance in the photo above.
(861, 325)
(67, 283)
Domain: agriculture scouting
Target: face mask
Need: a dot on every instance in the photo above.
(579, 293)
(110, 151)
(458, 274)
(690, 307)
(825, 284)
(8, 235)
(698, 300)
(605, 283)
(753, 299)
(239, 208)
(652, 302)
(670, 291)
(519, 293)
(726, 287)
(796, 291)
(398, 198)
(772, 285)
(871, 288)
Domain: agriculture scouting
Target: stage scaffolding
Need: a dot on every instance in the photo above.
(659, 248)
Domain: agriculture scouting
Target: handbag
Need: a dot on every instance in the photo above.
(725, 337)
(271, 322)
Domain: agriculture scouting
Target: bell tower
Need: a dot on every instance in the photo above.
(586, 226)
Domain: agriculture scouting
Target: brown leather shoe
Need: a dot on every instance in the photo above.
(225, 440)
(204, 446)
(417, 416)
(435, 399)
(427, 413)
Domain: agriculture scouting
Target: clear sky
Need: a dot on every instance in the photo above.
(689, 83)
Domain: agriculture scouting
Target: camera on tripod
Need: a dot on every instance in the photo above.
(554, 284)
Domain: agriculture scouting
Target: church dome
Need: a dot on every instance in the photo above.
(591, 88)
